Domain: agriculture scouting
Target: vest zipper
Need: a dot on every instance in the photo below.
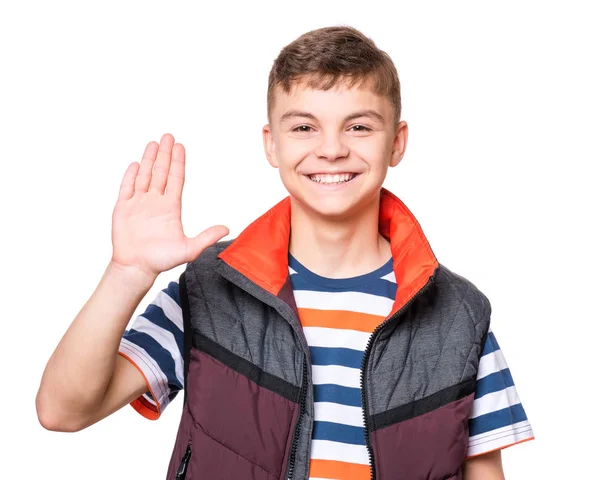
(363, 370)
(182, 469)
(299, 422)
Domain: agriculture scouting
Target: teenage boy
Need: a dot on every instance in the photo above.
(326, 341)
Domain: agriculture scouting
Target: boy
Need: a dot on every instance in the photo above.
(406, 379)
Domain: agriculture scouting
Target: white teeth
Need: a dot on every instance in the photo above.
(337, 178)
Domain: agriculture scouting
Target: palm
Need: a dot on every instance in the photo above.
(147, 230)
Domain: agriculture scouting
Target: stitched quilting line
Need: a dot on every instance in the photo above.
(240, 321)
(462, 376)
(372, 365)
(231, 450)
(434, 370)
(208, 309)
(415, 289)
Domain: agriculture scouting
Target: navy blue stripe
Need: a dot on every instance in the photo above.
(381, 288)
(329, 392)
(155, 350)
(490, 345)
(494, 382)
(172, 291)
(157, 316)
(497, 419)
(339, 284)
(337, 432)
(345, 357)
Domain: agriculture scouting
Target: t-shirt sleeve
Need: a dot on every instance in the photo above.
(154, 344)
(498, 419)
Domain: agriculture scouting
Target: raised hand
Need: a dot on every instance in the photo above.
(147, 233)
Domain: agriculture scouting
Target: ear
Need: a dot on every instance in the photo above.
(269, 144)
(400, 141)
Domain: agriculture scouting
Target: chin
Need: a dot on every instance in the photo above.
(329, 207)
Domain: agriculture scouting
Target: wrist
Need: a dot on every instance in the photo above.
(130, 277)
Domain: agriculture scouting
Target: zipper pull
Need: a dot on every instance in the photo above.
(180, 474)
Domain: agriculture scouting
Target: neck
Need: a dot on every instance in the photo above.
(338, 248)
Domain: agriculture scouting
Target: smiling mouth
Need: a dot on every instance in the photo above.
(332, 179)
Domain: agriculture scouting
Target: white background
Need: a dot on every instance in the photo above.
(502, 102)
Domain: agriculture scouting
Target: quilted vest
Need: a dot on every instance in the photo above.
(248, 396)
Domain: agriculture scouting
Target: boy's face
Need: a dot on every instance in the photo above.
(333, 148)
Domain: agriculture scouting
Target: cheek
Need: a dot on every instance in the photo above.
(293, 152)
(373, 150)
(290, 157)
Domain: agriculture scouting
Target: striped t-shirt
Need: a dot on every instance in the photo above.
(338, 316)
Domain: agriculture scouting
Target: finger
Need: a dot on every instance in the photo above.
(145, 172)
(126, 189)
(162, 164)
(176, 172)
(204, 240)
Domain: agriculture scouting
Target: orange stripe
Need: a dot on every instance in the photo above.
(335, 469)
(343, 319)
(499, 448)
(139, 404)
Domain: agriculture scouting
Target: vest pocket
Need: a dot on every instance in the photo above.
(179, 467)
(182, 468)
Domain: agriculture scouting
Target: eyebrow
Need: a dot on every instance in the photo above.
(361, 113)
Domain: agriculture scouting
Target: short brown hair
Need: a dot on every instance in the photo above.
(322, 58)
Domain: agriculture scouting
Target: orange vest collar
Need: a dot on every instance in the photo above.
(260, 252)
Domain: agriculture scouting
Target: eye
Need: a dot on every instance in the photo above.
(297, 129)
(363, 128)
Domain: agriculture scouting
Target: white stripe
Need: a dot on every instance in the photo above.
(334, 412)
(390, 277)
(491, 363)
(166, 340)
(171, 309)
(149, 398)
(337, 375)
(336, 337)
(328, 450)
(502, 437)
(349, 301)
(292, 271)
(495, 401)
(152, 372)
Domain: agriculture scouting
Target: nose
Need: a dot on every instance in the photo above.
(332, 146)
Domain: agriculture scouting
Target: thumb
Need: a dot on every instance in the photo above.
(205, 239)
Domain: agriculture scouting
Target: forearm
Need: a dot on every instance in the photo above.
(78, 372)
(484, 467)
